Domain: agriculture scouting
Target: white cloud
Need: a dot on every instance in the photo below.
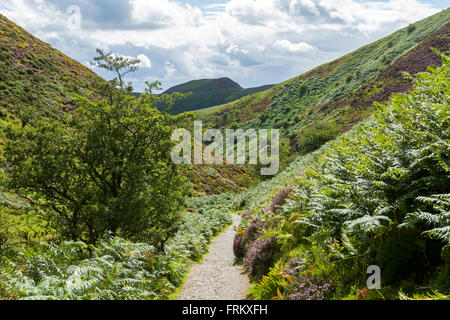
(371, 16)
(293, 47)
(167, 13)
(299, 6)
(234, 49)
(145, 61)
(170, 69)
(254, 12)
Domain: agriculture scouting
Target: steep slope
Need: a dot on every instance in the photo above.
(209, 92)
(35, 75)
(322, 96)
(356, 106)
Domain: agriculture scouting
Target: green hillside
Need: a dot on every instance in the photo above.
(33, 75)
(376, 196)
(209, 92)
(335, 96)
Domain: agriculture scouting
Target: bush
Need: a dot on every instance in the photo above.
(271, 286)
(260, 256)
(279, 200)
(102, 167)
(314, 137)
(115, 270)
(239, 245)
(411, 28)
(305, 287)
(245, 237)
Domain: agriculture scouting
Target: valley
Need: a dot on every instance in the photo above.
(93, 208)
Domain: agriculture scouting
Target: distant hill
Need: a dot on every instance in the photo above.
(205, 85)
(210, 92)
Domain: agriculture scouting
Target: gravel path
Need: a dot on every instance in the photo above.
(216, 278)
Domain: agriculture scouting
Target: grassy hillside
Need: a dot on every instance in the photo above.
(335, 96)
(376, 196)
(35, 75)
(209, 92)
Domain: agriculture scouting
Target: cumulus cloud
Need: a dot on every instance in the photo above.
(252, 41)
(166, 13)
(293, 47)
(145, 61)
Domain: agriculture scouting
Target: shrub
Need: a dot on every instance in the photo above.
(104, 167)
(115, 270)
(302, 90)
(379, 195)
(4, 234)
(260, 256)
(244, 238)
(316, 136)
(239, 245)
(271, 286)
(305, 286)
(254, 230)
(411, 28)
(280, 199)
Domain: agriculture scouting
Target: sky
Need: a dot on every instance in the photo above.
(253, 42)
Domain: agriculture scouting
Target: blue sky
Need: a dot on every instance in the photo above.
(254, 42)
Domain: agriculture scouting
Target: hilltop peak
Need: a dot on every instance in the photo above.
(224, 83)
(204, 85)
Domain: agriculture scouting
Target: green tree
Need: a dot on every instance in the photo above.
(104, 166)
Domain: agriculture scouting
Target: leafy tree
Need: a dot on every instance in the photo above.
(116, 63)
(104, 166)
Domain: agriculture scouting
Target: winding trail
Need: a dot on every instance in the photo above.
(216, 278)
